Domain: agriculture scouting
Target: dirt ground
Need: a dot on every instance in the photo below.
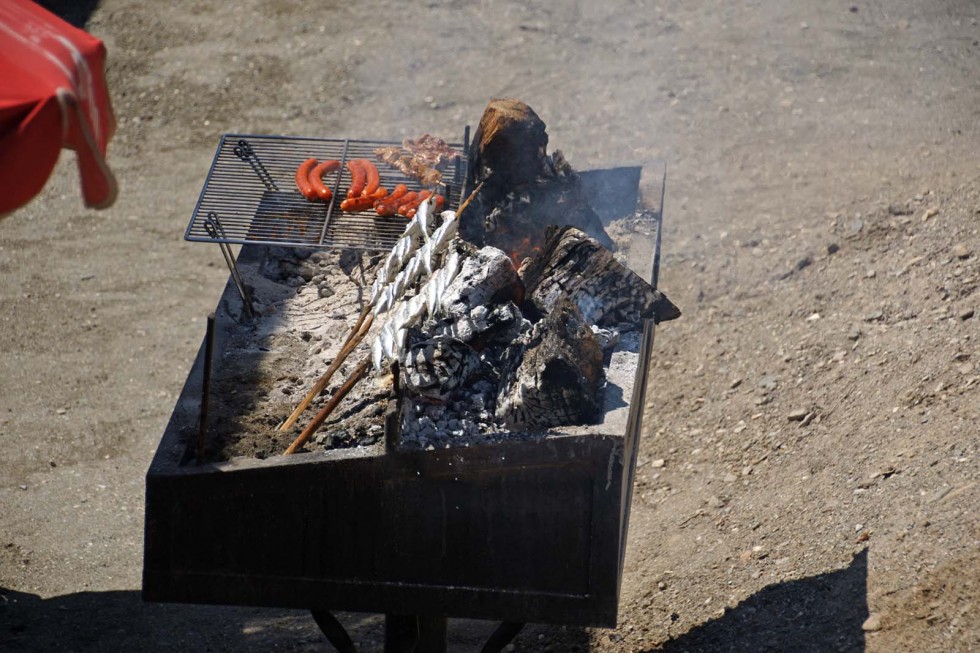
(809, 478)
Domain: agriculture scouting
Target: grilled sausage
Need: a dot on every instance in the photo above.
(320, 190)
(362, 202)
(389, 205)
(373, 177)
(358, 177)
(303, 178)
(413, 204)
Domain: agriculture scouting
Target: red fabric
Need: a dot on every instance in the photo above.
(52, 95)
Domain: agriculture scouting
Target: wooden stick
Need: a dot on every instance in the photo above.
(359, 373)
(353, 340)
(468, 199)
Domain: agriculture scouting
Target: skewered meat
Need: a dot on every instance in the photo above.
(423, 159)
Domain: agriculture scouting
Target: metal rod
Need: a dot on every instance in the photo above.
(216, 231)
(326, 219)
(202, 431)
(245, 152)
(660, 230)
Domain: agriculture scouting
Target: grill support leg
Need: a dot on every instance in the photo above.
(333, 631)
(502, 636)
(432, 635)
(401, 633)
(415, 634)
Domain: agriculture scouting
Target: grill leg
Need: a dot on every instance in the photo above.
(501, 637)
(432, 635)
(415, 634)
(333, 631)
(401, 633)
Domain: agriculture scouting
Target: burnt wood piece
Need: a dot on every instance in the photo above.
(524, 189)
(607, 292)
(555, 379)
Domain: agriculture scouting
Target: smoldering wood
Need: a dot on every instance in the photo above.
(479, 305)
(524, 189)
(555, 378)
(608, 293)
(434, 367)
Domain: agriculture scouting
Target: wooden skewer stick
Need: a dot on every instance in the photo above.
(469, 199)
(359, 373)
(356, 336)
(361, 327)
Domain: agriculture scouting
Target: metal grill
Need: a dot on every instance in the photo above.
(250, 194)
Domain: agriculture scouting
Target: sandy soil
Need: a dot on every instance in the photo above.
(809, 481)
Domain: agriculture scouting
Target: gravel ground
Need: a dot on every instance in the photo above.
(809, 480)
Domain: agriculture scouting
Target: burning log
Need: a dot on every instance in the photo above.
(608, 293)
(555, 378)
(524, 190)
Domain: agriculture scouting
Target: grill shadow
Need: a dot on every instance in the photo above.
(816, 614)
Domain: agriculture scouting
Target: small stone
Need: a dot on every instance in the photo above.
(61, 411)
(325, 290)
(966, 313)
(661, 586)
(872, 623)
(930, 212)
(807, 419)
(715, 502)
(813, 317)
(730, 478)
(874, 316)
(854, 334)
(870, 274)
(797, 415)
(658, 463)
(832, 249)
(734, 384)
(939, 494)
(961, 251)
(965, 368)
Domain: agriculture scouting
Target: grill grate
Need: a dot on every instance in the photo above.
(250, 195)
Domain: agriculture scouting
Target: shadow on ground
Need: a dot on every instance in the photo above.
(89, 622)
(817, 614)
(76, 12)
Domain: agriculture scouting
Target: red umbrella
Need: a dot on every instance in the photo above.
(52, 95)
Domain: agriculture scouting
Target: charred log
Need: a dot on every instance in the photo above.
(608, 293)
(435, 367)
(524, 189)
(555, 378)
